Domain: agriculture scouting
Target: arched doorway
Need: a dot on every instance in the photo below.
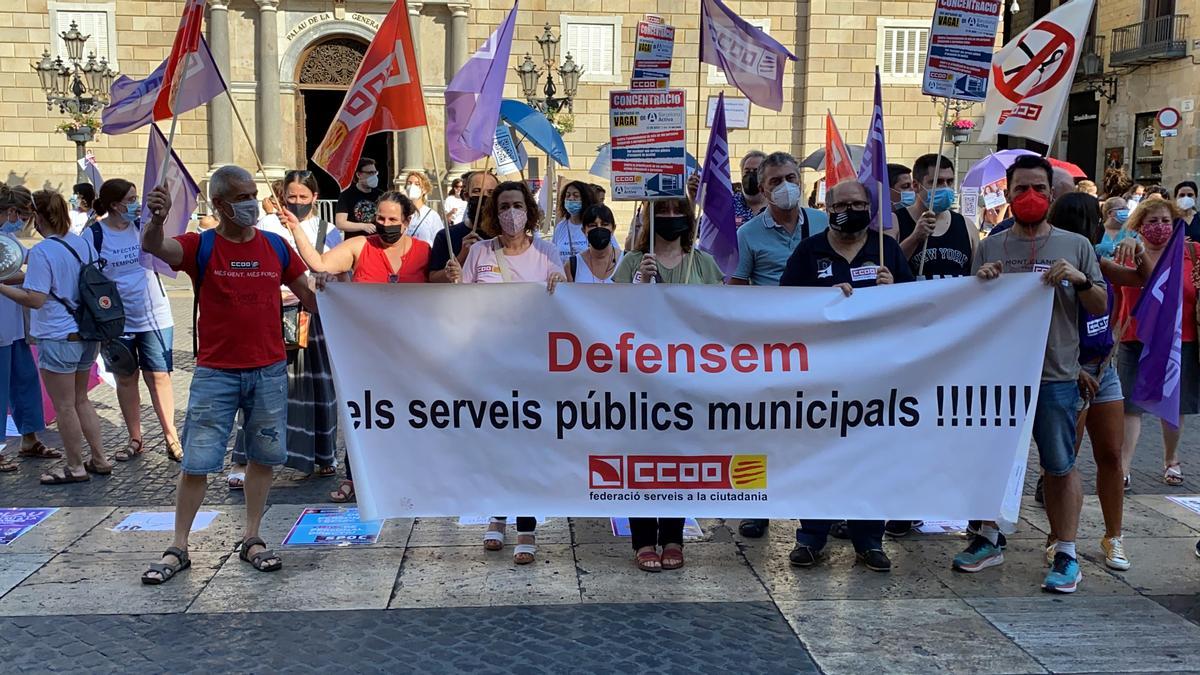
(325, 71)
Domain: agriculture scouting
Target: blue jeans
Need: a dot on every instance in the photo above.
(864, 534)
(1054, 426)
(152, 349)
(217, 396)
(21, 388)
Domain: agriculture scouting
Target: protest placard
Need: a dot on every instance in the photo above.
(961, 42)
(162, 521)
(649, 153)
(652, 55)
(504, 152)
(332, 527)
(737, 112)
(16, 522)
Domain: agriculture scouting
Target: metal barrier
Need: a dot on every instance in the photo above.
(325, 209)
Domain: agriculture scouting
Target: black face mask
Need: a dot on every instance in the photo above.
(599, 238)
(850, 222)
(670, 228)
(301, 211)
(389, 234)
(473, 205)
(750, 183)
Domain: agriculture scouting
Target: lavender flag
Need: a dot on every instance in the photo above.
(473, 96)
(873, 173)
(1159, 316)
(718, 229)
(132, 105)
(185, 194)
(752, 60)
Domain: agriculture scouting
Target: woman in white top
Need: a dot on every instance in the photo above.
(426, 224)
(456, 206)
(568, 237)
(52, 285)
(597, 264)
(149, 327)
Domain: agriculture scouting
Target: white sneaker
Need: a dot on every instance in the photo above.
(1114, 553)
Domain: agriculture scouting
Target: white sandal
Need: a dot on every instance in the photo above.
(238, 476)
(494, 535)
(523, 549)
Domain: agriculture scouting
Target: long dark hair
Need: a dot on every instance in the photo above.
(406, 205)
(1078, 212)
(305, 178)
(587, 198)
(112, 191)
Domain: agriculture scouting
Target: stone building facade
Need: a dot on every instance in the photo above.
(288, 63)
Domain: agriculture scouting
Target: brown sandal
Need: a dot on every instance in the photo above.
(175, 451)
(672, 557)
(132, 449)
(324, 471)
(648, 561)
(343, 496)
(7, 465)
(39, 451)
(90, 467)
(63, 476)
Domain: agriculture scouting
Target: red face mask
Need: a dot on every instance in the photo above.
(1030, 207)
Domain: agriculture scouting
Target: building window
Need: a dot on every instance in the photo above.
(900, 49)
(716, 77)
(96, 19)
(595, 44)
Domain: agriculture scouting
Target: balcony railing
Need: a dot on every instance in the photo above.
(1162, 38)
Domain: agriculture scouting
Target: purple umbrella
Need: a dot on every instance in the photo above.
(991, 168)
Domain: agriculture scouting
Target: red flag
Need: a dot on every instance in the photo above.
(386, 96)
(187, 41)
(838, 164)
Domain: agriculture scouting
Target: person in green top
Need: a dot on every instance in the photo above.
(674, 261)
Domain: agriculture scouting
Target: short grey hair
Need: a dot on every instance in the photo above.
(776, 159)
(751, 155)
(1064, 182)
(219, 183)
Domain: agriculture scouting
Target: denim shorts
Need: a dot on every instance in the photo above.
(1110, 383)
(66, 356)
(152, 349)
(217, 398)
(1054, 426)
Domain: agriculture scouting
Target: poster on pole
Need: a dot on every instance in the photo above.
(961, 42)
(648, 139)
(737, 112)
(652, 55)
(504, 152)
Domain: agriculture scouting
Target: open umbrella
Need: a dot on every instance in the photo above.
(817, 159)
(991, 168)
(1073, 169)
(535, 128)
(602, 167)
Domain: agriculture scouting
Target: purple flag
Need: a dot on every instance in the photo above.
(1159, 316)
(132, 105)
(718, 229)
(473, 96)
(185, 194)
(873, 173)
(752, 60)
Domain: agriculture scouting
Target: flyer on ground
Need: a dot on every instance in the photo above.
(961, 43)
(648, 133)
(652, 55)
(16, 522)
(333, 527)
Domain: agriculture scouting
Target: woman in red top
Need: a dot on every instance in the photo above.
(1154, 221)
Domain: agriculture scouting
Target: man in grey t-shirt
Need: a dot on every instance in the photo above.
(1067, 262)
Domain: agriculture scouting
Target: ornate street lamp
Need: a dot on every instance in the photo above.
(77, 87)
(568, 73)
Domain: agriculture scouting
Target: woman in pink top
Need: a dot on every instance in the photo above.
(514, 255)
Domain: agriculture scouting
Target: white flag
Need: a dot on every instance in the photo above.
(1032, 75)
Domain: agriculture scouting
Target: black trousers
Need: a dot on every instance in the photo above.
(525, 524)
(656, 531)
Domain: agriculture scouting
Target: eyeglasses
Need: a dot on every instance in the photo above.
(842, 207)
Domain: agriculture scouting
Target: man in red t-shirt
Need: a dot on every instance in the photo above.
(241, 364)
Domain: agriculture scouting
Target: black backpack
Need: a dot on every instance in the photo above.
(100, 313)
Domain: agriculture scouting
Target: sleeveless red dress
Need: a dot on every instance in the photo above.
(374, 268)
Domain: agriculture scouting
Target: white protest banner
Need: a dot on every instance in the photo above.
(737, 112)
(504, 152)
(1032, 75)
(961, 42)
(648, 133)
(652, 55)
(712, 401)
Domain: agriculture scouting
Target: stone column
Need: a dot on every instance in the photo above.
(269, 118)
(414, 139)
(220, 115)
(458, 57)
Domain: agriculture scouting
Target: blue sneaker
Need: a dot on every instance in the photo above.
(980, 555)
(1064, 576)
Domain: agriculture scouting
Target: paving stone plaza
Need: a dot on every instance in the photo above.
(428, 598)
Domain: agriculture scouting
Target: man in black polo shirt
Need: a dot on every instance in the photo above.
(845, 256)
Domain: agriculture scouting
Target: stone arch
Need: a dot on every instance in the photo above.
(330, 63)
(293, 56)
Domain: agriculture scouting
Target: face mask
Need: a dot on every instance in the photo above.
(671, 228)
(1121, 215)
(473, 208)
(1134, 201)
(1186, 203)
(850, 221)
(941, 199)
(599, 238)
(786, 196)
(74, 201)
(573, 206)
(1031, 207)
(389, 234)
(512, 221)
(750, 183)
(372, 182)
(1157, 234)
(414, 192)
(132, 211)
(245, 214)
(301, 211)
(908, 198)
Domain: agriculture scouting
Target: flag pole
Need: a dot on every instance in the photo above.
(437, 175)
(882, 215)
(937, 170)
(162, 170)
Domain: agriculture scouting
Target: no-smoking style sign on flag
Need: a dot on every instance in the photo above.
(1032, 75)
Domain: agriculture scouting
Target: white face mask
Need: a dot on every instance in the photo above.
(372, 182)
(414, 192)
(1186, 203)
(786, 196)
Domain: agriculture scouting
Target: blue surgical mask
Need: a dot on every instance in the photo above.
(74, 201)
(1121, 215)
(908, 198)
(573, 206)
(132, 211)
(941, 199)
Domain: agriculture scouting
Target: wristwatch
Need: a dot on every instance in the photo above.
(1086, 285)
